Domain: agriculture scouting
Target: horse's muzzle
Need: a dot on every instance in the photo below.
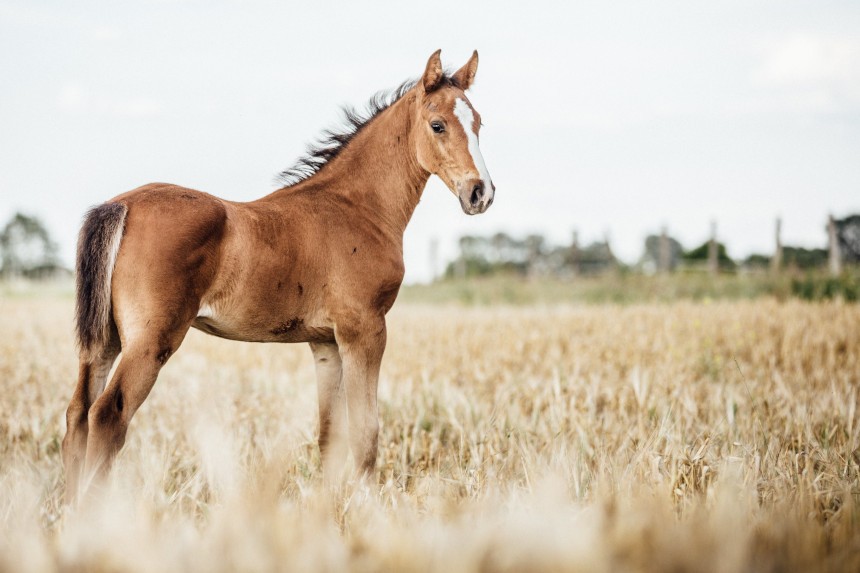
(475, 196)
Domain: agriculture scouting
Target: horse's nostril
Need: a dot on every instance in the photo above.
(477, 192)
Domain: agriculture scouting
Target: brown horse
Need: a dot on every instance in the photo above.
(319, 261)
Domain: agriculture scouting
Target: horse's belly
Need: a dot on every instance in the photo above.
(287, 328)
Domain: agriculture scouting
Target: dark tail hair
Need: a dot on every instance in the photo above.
(98, 245)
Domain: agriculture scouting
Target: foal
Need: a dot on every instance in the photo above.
(319, 261)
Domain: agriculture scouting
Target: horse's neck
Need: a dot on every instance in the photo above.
(378, 170)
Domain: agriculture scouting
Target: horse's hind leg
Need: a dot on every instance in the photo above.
(92, 376)
(109, 416)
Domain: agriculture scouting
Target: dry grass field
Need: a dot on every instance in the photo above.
(649, 437)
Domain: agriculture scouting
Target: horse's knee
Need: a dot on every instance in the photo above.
(325, 353)
(325, 433)
(76, 414)
(332, 434)
(76, 420)
(106, 414)
(75, 438)
(74, 445)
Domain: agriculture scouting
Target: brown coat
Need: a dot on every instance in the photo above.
(318, 261)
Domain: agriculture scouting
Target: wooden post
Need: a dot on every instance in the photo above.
(713, 252)
(610, 263)
(835, 253)
(664, 262)
(776, 260)
(533, 261)
(574, 254)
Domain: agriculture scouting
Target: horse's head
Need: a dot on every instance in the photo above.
(446, 134)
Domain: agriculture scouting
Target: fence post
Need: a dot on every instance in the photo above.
(574, 254)
(776, 261)
(607, 236)
(835, 254)
(664, 256)
(713, 253)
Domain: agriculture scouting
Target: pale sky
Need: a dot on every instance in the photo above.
(603, 117)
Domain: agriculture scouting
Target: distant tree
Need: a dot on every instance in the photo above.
(535, 249)
(530, 256)
(26, 248)
(503, 247)
(473, 259)
(756, 261)
(848, 232)
(802, 258)
(595, 258)
(700, 255)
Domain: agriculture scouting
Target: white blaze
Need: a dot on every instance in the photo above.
(467, 118)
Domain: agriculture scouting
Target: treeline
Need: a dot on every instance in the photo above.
(532, 255)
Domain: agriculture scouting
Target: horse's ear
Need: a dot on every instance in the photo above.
(433, 72)
(466, 75)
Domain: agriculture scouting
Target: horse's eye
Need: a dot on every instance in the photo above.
(437, 127)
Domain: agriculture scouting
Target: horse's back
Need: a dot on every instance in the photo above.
(174, 203)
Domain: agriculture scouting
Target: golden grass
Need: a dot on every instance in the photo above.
(682, 437)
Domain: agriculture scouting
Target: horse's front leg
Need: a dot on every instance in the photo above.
(332, 409)
(361, 347)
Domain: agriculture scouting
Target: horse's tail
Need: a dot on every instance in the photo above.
(98, 245)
